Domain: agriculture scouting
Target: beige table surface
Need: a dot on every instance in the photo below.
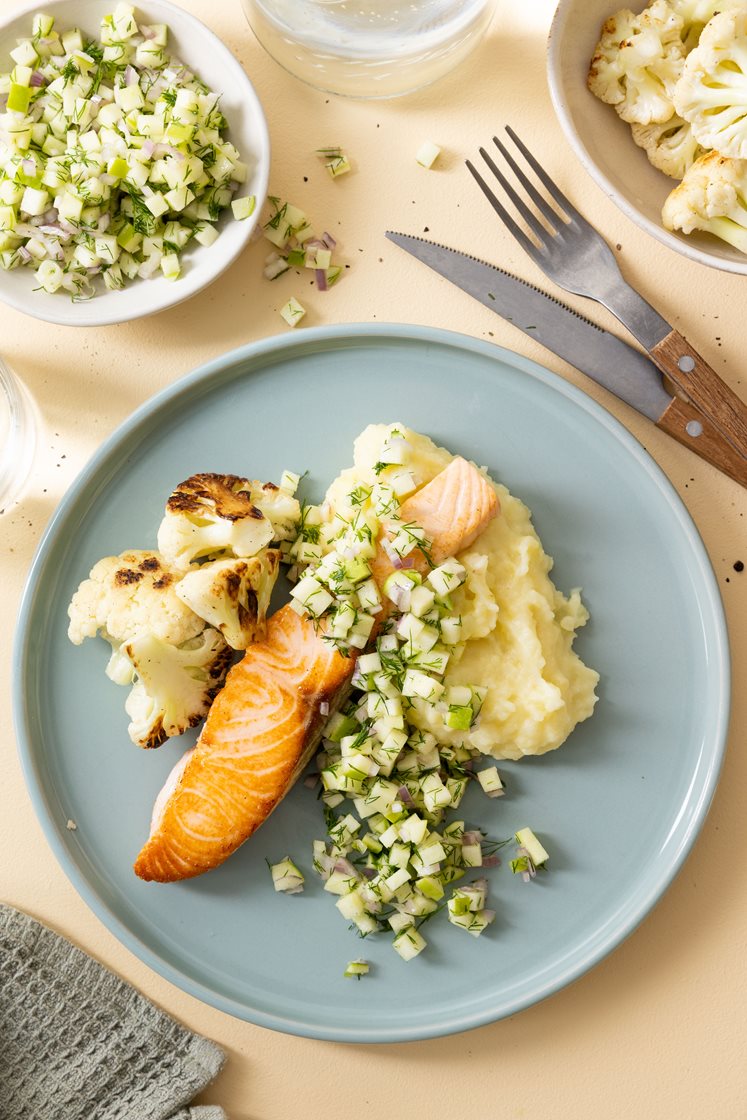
(656, 1030)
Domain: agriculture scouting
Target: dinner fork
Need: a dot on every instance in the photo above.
(572, 253)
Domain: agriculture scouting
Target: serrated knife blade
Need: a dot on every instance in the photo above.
(619, 368)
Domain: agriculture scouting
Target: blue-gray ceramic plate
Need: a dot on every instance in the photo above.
(618, 807)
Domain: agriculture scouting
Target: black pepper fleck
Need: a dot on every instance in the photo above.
(738, 566)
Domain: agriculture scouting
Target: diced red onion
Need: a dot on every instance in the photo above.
(147, 32)
(328, 241)
(37, 79)
(391, 552)
(311, 780)
(369, 873)
(321, 279)
(471, 838)
(131, 76)
(345, 867)
(400, 596)
(167, 150)
(405, 796)
(148, 148)
(24, 254)
(29, 166)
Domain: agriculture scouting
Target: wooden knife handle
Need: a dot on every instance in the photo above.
(695, 381)
(688, 426)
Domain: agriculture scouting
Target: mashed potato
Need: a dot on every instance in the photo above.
(519, 628)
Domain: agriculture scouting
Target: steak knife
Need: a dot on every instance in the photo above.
(622, 370)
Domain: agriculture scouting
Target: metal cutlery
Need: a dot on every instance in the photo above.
(609, 361)
(704, 413)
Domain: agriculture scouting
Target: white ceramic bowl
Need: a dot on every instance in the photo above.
(603, 142)
(201, 50)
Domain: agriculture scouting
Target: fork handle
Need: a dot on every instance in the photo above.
(713, 400)
(688, 426)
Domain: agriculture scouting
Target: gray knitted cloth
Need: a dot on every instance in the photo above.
(78, 1043)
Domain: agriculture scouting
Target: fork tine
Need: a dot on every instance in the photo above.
(553, 189)
(503, 214)
(539, 201)
(530, 218)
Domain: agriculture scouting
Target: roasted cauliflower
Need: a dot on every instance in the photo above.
(125, 596)
(695, 14)
(712, 198)
(670, 147)
(233, 595)
(175, 684)
(637, 62)
(219, 516)
(176, 662)
(712, 92)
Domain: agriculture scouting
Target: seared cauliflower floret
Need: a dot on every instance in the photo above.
(637, 62)
(279, 506)
(126, 595)
(233, 595)
(670, 147)
(712, 92)
(175, 685)
(712, 197)
(177, 663)
(220, 516)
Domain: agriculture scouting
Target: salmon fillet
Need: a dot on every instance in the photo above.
(265, 724)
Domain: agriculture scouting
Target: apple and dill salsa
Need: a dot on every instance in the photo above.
(113, 157)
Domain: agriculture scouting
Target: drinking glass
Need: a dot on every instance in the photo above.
(369, 48)
(17, 437)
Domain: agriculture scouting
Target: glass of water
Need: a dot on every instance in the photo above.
(17, 437)
(369, 48)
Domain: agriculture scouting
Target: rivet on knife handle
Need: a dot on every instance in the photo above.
(701, 385)
(690, 427)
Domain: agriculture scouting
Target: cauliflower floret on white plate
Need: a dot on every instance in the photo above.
(712, 92)
(233, 595)
(638, 61)
(670, 146)
(221, 516)
(711, 198)
(175, 685)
